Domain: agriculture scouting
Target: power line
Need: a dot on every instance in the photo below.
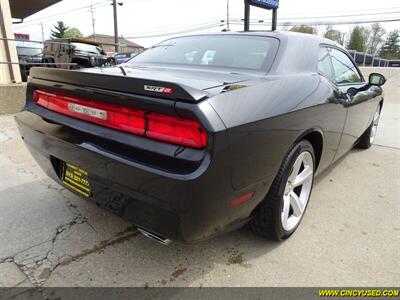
(266, 23)
(282, 23)
(177, 32)
(51, 17)
(331, 17)
(374, 10)
(181, 27)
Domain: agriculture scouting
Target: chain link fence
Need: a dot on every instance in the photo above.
(365, 59)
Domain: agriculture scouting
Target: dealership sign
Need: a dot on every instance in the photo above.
(268, 4)
(21, 36)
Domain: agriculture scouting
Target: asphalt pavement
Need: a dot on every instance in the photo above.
(350, 235)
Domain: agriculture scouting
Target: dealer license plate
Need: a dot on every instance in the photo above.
(76, 179)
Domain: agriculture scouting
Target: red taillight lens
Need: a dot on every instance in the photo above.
(117, 117)
(185, 132)
(175, 130)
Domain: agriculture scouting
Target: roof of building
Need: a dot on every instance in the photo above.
(110, 39)
(21, 9)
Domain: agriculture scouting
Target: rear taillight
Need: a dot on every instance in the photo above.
(180, 131)
(176, 130)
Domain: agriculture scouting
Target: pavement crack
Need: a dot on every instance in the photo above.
(21, 269)
(27, 172)
(35, 261)
(91, 226)
(21, 282)
(6, 259)
(99, 248)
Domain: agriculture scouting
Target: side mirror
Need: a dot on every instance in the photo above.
(377, 79)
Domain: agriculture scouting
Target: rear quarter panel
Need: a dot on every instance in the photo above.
(265, 120)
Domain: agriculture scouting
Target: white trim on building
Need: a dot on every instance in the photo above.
(8, 51)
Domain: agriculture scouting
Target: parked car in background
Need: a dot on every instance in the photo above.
(121, 58)
(200, 135)
(85, 54)
(28, 57)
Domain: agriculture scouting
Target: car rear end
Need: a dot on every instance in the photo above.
(155, 153)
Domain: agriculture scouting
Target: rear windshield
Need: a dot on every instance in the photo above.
(29, 51)
(224, 51)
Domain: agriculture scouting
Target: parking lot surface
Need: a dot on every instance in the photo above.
(350, 235)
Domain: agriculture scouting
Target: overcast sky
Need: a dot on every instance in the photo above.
(144, 18)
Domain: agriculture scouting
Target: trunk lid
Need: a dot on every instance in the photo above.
(195, 78)
(109, 79)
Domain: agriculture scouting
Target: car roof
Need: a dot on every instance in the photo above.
(74, 40)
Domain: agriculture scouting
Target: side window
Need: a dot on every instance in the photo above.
(324, 63)
(344, 69)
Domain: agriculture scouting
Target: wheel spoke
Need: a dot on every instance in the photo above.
(376, 118)
(285, 210)
(296, 204)
(296, 169)
(303, 176)
(374, 128)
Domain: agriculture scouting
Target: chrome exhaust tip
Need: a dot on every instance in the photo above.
(155, 237)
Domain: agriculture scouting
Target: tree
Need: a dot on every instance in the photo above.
(334, 35)
(73, 33)
(304, 29)
(376, 38)
(59, 30)
(358, 39)
(391, 48)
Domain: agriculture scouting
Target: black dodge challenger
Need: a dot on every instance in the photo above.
(202, 134)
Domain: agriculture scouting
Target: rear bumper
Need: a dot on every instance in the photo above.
(184, 200)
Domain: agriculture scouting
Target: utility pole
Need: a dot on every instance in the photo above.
(93, 22)
(41, 25)
(274, 18)
(246, 15)
(227, 15)
(116, 40)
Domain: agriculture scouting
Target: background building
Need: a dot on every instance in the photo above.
(17, 9)
(107, 42)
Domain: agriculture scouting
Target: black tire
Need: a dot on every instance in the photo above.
(365, 140)
(111, 62)
(266, 220)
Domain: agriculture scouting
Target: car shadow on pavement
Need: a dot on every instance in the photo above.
(131, 259)
(59, 239)
(88, 238)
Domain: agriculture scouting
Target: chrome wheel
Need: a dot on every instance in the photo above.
(297, 190)
(374, 127)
